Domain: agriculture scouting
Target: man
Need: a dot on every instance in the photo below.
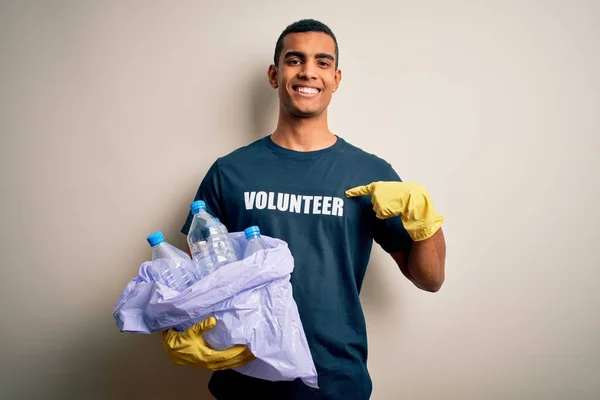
(328, 200)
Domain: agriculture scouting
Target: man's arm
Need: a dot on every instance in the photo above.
(424, 263)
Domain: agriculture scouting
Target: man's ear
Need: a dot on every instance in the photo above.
(337, 79)
(272, 75)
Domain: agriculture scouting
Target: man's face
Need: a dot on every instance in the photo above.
(306, 76)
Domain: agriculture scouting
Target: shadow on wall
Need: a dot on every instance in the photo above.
(263, 103)
(115, 365)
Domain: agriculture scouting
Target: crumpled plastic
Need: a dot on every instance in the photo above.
(251, 300)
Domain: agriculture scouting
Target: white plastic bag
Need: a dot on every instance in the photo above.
(251, 300)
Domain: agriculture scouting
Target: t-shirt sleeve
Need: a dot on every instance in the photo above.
(390, 233)
(210, 192)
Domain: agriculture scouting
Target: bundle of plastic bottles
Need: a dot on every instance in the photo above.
(240, 278)
(210, 246)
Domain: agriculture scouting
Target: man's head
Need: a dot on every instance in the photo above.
(305, 25)
(305, 69)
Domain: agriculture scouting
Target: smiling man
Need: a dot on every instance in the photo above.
(329, 200)
(305, 92)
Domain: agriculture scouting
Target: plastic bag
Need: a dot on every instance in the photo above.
(251, 300)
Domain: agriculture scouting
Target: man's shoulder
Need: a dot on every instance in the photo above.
(248, 152)
(365, 157)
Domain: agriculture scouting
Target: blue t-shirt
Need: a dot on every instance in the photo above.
(299, 197)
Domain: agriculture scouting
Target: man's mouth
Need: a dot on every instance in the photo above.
(307, 91)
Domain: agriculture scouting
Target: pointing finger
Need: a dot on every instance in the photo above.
(359, 191)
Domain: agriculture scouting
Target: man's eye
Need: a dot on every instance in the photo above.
(293, 62)
(323, 64)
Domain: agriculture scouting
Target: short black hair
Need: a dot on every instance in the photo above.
(305, 25)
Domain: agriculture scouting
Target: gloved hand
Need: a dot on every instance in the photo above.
(190, 348)
(409, 200)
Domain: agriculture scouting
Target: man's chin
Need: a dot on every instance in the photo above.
(305, 113)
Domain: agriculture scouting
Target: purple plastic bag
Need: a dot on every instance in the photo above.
(251, 300)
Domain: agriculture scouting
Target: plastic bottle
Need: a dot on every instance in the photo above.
(221, 244)
(255, 241)
(220, 227)
(173, 270)
(209, 245)
(197, 239)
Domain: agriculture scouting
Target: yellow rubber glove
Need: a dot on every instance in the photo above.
(190, 348)
(409, 200)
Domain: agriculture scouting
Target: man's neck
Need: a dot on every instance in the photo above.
(303, 134)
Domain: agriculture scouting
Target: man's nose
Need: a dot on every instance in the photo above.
(308, 71)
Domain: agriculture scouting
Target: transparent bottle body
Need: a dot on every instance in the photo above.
(209, 243)
(254, 244)
(173, 271)
(199, 231)
(203, 259)
(221, 245)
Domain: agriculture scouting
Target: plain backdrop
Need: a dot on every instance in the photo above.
(112, 111)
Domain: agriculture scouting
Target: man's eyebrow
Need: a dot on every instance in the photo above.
(298, 54)
(325, 55)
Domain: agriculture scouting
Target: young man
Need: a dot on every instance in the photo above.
(328, 200)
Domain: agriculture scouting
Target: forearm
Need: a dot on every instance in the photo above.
(426, 262)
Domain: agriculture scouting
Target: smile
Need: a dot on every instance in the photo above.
(307, 91)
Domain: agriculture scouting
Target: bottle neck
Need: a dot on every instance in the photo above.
(201, 211)
(164, 250)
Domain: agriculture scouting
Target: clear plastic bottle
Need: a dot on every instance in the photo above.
(211, 247)
(255, 241)
(171, 267)
(221, 244)
(204, 260)
(221, 228)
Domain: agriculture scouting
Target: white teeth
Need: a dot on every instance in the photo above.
(307, 90)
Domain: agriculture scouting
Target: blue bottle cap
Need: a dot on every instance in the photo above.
(155, 238)
(251, 232)
(197, 205)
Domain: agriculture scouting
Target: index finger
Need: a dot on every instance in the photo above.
(359, 191)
